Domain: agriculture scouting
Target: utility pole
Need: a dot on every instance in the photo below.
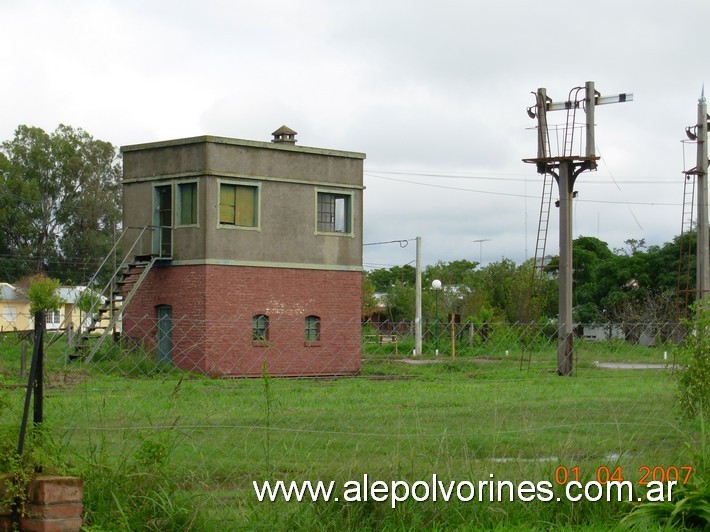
(697, 178)
(566, 167)
(418, 301)
(703, 267)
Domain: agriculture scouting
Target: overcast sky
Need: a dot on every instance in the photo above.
(435, 93)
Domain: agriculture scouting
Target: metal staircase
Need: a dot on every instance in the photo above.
(127, 282)
(107, 305)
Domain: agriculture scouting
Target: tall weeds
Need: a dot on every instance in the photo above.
(690, 507)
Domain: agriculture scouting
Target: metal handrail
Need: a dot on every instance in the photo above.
(124, 303)
(129, 253)
(69, 315)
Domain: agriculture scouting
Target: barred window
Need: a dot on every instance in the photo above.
(312, 329)
(260, 328)
(334, 213)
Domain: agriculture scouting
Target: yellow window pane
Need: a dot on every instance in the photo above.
(246, 206)
(227, 204)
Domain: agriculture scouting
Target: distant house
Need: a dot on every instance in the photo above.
(380, 310)
(254, 254)
(16, 316)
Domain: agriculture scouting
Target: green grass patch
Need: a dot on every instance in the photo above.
(192, 446)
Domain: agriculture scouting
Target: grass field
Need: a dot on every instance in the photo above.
(461, 419)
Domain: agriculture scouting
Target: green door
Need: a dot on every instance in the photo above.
(165, 334)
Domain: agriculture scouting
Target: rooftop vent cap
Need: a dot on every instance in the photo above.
(284, 134)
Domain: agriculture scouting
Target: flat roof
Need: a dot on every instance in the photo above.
(203, 139)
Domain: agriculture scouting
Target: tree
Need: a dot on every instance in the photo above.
(59, 202)
(587, 255)
(382, 280)
(367, 296)
(400, 301)
(457, 272)
(43, 294)
(632, 285)
(544, 291)
(495, 281)
(672, 266)
(635, 246)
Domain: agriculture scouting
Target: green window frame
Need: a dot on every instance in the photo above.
(163, 222)
(260, 328)
(238, 205)
(187, 203)
(312, 329)
(334, 212)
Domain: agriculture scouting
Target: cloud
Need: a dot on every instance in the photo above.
(434, 94)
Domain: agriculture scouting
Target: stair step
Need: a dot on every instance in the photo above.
(125, 283)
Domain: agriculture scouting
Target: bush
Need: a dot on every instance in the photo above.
(40, 454)
(690, 507)
(43, 294)
(694, 380)
(139, 491)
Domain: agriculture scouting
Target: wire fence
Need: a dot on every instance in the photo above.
(480, 397)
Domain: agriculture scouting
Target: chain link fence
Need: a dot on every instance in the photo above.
(480, 398)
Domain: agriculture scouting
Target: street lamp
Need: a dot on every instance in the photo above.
(436, 286)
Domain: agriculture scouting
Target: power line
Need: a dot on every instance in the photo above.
(631, 211)
(66, 260)
(378, 265)
(525, 196)
(402, 243)
(449, 187)
(492, 176)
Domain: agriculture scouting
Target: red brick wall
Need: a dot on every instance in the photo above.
(53, 504)
(213, 308)
(183, 289)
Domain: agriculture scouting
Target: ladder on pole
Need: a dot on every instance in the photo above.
(570, 124)
(538, 270)
(685, 240)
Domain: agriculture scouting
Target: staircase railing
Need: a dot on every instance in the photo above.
(116, 313)
(69, 316)
(104, 296)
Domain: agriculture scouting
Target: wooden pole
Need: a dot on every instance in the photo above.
(39, 373)
(23, 360)
(34, 382)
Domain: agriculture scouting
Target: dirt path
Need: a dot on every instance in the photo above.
(629, 365)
